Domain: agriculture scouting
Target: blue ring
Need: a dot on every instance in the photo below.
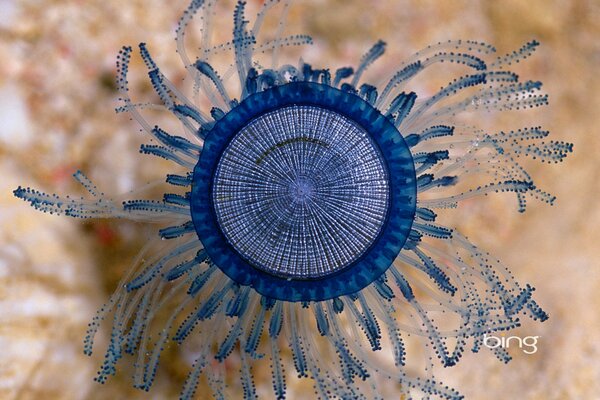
(385, 248)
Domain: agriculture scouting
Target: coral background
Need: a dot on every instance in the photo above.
(56, 115)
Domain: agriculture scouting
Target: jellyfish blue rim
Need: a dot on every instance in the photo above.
(374, 261)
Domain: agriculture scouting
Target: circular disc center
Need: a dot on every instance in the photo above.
(301, 192)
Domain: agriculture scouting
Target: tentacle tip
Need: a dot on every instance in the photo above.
(19, 192)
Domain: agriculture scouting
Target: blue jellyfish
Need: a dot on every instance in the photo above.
(302, 234)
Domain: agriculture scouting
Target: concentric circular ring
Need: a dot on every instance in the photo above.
(301, 192)
(268, 168)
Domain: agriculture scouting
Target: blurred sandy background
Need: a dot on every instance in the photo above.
(56, 115)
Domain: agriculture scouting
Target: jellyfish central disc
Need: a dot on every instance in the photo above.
(301, 192)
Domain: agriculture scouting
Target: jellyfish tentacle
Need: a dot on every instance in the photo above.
(254, 333)
(403, 75)
(369, 58)
(166, 153)
(242, 52)
(516, 56)
(166, 90)
(295, 341)
(206, 305)
(291, 40)
(202, 361)
(279, 32)
(509, 97)
(153, 269)
(321, 319)
(451, 89)
(146, 370)
(351, 365)
(365, 320)
(180, 31)
(278, 371)
(207, 70)
(184, 21)
(152, 209)
(247, 377)
(449, 51)
(177, 143)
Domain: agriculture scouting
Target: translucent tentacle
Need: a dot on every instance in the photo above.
(369, 58)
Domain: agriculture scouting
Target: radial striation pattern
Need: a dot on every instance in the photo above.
(301, 192)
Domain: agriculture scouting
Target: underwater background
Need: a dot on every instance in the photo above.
(57, 99)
